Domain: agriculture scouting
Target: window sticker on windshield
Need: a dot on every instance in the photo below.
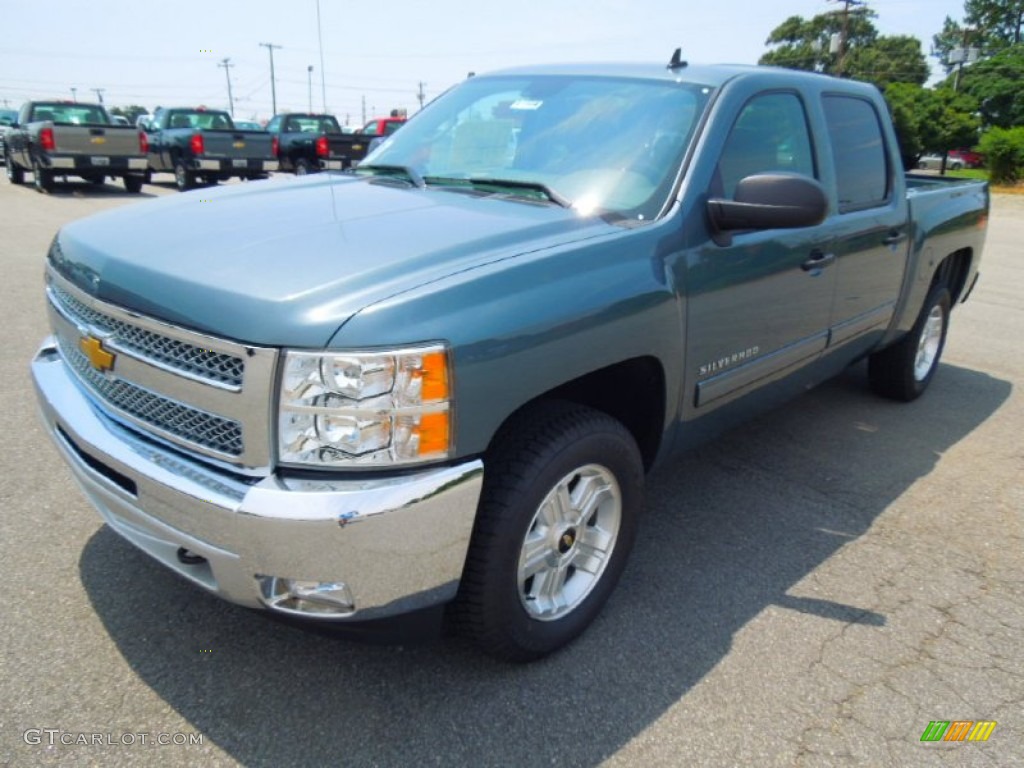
(526, 104)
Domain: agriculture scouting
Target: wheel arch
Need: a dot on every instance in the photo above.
(632, 391)
(952, 271)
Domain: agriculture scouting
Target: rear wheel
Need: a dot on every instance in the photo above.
(15, 174)
(904, 370)
(133, 184)
(184, 179)
(97, 180)
(557, 519)
(302, 167)
(43, 177)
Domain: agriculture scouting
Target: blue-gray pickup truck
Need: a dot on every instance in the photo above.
(432, 386)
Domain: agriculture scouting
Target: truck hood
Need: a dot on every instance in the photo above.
(287, 262)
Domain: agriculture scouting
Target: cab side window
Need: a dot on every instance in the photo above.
(858, 152)
(770, 134)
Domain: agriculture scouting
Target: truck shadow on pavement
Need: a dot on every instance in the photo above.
(726, 533)
(72, 189)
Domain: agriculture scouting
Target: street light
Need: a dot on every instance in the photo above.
(309, 73)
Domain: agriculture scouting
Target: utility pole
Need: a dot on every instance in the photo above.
(320, 38)
(273, 85)
(364, 111)
(844, 34)
(226, 63)
(420, 94)
(99, 94)
(74, 94)
(309, 73)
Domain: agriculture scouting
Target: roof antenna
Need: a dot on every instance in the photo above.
(677, 60)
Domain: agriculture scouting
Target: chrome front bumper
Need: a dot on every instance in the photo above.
(398, 543)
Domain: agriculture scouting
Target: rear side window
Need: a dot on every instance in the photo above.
(858, 151)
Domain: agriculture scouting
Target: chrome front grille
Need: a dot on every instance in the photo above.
(207, 429)
(179, 355)
(206, 395)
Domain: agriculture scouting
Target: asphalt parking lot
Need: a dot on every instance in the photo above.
(811, 589)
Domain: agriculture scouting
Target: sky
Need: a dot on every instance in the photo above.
(170, 54)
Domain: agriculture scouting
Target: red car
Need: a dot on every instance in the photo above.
(968, 158)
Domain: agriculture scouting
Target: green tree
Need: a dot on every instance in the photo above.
(800, 43)
(131, 112)
(990, 26)
(997, 85)
(896, 59)
(1004, 153)
(928, 120)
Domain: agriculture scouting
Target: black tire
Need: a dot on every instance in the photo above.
(500, 605)
(97, 180)
(904, 370)
(132, 184)
(147, 177)
(15, 174)
(184, 179)
(43, 177)
(302, 167)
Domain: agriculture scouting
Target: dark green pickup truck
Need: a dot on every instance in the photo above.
(435, 384)
(204, 145)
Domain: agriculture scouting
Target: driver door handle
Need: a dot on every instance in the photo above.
(818, 260)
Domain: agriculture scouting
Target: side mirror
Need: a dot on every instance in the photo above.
(770, 201)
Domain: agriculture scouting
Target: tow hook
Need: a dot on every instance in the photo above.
(189, 558)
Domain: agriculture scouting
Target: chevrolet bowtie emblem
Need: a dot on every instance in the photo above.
(93, 349)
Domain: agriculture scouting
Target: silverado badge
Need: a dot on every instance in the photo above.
(93, 349)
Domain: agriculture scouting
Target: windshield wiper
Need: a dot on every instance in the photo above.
(404, 172)
(508, 185)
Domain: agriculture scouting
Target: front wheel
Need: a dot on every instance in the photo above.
(904, 370)
(557, 520)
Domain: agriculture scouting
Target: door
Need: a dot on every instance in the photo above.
(759, 302)
(871, 225)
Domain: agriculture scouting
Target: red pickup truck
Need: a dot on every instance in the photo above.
(383, 126)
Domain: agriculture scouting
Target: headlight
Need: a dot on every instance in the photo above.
(365, 408)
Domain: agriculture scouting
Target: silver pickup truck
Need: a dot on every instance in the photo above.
(56, 138)
(441, 378)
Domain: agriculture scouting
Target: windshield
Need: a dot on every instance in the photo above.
(604, 145)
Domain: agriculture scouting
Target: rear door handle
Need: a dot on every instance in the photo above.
(818, 260)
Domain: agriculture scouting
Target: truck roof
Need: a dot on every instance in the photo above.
(713, 76)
